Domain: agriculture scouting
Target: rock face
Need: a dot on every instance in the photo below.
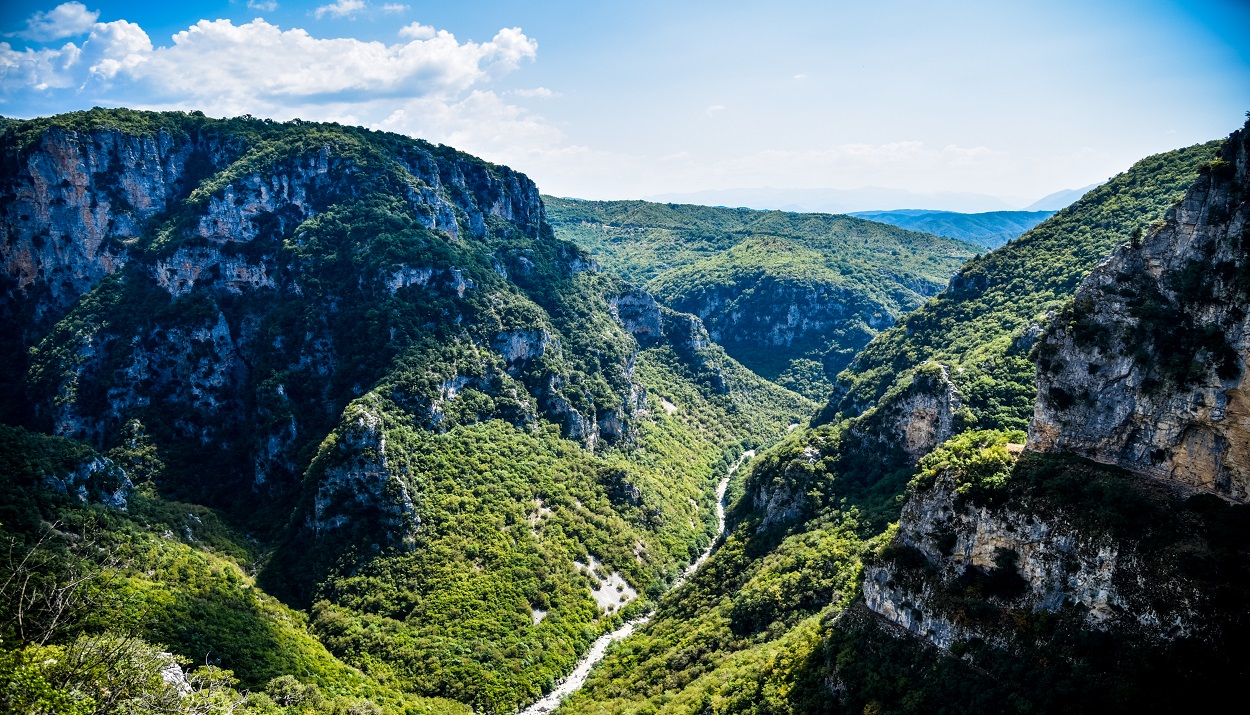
(1147, 368)
(94, 480)
(163, 266)
(76, 202)
(966, 569)
(355, 484)
(1142, 376)
(915, 419)
(1041, 563)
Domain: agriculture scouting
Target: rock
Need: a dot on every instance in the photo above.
(639, 314)
(355, 485)
(915, 419)
(1147, 368)
(99, 478)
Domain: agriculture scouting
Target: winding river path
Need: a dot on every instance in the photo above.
(577, 678)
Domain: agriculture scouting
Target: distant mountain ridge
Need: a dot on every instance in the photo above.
(990, 229)
(837, 201)
(867, 198)
(1061, 199)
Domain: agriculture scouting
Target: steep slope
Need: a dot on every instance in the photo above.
(98, 571)
(989, 230)
(1071, 585)
(1146, 368)
(373, 355)
(758, 633)
(983, 326)
(791, 296)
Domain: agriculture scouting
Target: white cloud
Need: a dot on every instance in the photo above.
(263, 5)
(417, 31)
(64, 20)
(342, 8)
(714, 109)
(257, 67)
(800, 77)
(429, 85)
(394, 7)
(535, 92)
(114, 47)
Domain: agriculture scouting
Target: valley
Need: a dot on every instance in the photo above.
(328, 419)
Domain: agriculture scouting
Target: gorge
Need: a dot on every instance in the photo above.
(305, 417)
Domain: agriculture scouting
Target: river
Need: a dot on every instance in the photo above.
(599, 648)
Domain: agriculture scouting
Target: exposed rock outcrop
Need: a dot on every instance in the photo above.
(356, 489)
(213, 233)
(96, 480)
(638, 313)
(916, 418)
(1147, 368)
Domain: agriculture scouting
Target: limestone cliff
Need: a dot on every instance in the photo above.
(1123, 521)
(1147, 368)
(234, 284)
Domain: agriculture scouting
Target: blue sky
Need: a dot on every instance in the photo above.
(630, 99)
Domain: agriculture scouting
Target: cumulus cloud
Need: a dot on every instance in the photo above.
(417, 31)
(259, 67)
(427, 84)
(64, 20)
(394, 7)
(263, 5)
(342, 8)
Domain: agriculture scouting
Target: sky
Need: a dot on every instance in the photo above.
(615, 100)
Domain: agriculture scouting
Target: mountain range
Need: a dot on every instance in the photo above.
(302, 417)
(839, 201)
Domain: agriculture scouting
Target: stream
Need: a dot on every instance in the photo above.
(599, 648)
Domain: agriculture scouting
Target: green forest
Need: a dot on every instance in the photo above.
(359, 424)
(791, 296)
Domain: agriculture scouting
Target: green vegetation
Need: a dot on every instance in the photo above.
(465, 453)
(791, 296)
(978, 463)
(984, 324)
(87, 592)
(988, 230)
(818, 505)
(441, 432)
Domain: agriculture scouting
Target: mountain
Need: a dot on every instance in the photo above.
(984, 325)
(839, 201)
(414, 411)
(806, 606)
(791, 296)
(1105, 568)
(988, 230)
(1060, 199)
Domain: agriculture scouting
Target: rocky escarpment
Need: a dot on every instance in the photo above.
(1024, 557)
(764, 313)
(161, 267)
(916, 416)
(1147, 367)
(1018, 560)
(74, 204)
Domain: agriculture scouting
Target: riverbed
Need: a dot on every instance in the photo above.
(599, 648)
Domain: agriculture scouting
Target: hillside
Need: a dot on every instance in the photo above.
(776, 621)
(1105, 568)
(983, 326)
(791, 296)
(371, 355)
(988, 230)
